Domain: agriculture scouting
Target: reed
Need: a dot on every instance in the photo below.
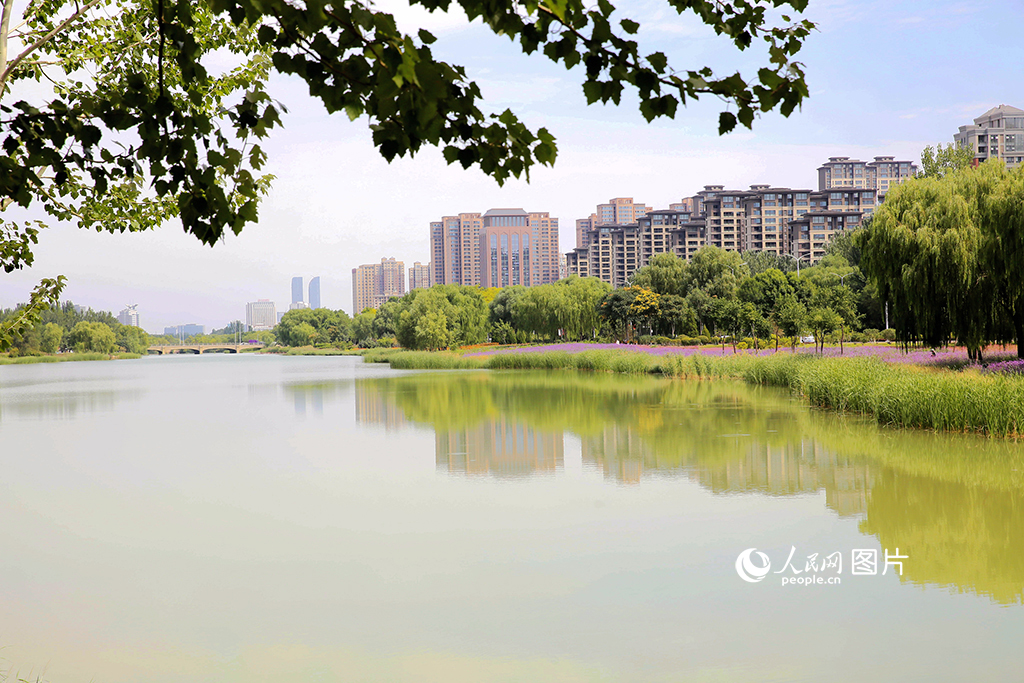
(894, 394)
(66, 358)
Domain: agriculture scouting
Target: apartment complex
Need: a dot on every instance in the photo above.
(996, 134)
(879, 175)
(781, 220)
(499, 248)
(419, 276)
(618, 211)
(260, 315)
(375, 283)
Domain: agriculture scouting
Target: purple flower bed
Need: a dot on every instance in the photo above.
(1007, 367)
(887, 352)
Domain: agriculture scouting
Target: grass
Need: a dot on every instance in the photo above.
(895, 394)
(66, 358)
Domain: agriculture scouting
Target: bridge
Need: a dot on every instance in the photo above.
(162, 349)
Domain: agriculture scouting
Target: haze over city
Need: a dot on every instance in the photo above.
(885, 79)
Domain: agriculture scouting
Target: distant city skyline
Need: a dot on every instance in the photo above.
(322, 218)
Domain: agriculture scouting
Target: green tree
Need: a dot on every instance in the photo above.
(132, 339)
(51, 338)
(432, 331)
(92, 336)
(152, 115)
(362, 327)
(822, 321)
(663, 274)
(791, 318)
(938, 162)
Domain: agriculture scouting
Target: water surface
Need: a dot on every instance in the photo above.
(239, 518)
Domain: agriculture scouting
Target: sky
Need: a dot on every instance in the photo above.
(885, 78)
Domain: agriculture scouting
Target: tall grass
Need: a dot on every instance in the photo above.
(66, 358)
(895, 394)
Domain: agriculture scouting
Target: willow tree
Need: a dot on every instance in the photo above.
(946, 255)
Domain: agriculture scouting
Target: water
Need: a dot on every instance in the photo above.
(239, 518)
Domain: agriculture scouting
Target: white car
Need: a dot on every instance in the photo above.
(809, 339)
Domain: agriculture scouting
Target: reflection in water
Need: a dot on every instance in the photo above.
(954, 503)
(63, 406)
(311, 396)
(500, 448)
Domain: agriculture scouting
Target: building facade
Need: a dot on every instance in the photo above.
(260, 315)
(314, 292)
(617, 211)
(375, 283)
(296, 290)
(185, 331)
(781, 220)
(129, 316)
(419, 276)
(879, 175)
(996, 134)
(502, 245)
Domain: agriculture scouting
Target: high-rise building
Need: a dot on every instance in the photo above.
(518, 248)
(475, 249)
(618, 211)
(260, 315)
(296, 290)
(419, 276)
(314, 292)
(375, 283)
(879, 175)
(455, 249)
(129, 316)
(996, 134)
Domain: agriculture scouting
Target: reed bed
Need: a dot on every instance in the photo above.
(895, 394)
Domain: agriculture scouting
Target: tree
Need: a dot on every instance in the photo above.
(663, 274)
(791, 318)
(362, 327)
(51, 337)
(153, 134)
(934, 251)
(938, 162)
(132, 339)
(432, 331)
(95, 337)
(822, 321)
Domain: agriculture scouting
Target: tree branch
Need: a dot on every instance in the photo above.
(6, 71)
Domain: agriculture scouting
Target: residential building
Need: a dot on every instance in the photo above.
(502, 245)
(782, 220)
(996, 134)
(314, 292)
(296, 290)
(260, 315)
(419, 276)
(375, 283)
(618, 211)
(455, 249)
(129, 316)
(880, 174)
(614, 252)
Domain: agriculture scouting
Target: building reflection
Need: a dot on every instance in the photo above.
(376, 407)
(779, 470)
(499, 448)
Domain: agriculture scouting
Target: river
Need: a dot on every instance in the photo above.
(253, 518)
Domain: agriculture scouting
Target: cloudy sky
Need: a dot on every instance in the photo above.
(886, 77)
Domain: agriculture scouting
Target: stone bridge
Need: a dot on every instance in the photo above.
(161, 349)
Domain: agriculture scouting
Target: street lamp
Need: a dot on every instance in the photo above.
(798, 259)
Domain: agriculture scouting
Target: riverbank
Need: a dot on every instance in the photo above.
(901, 395)
(66, 358)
